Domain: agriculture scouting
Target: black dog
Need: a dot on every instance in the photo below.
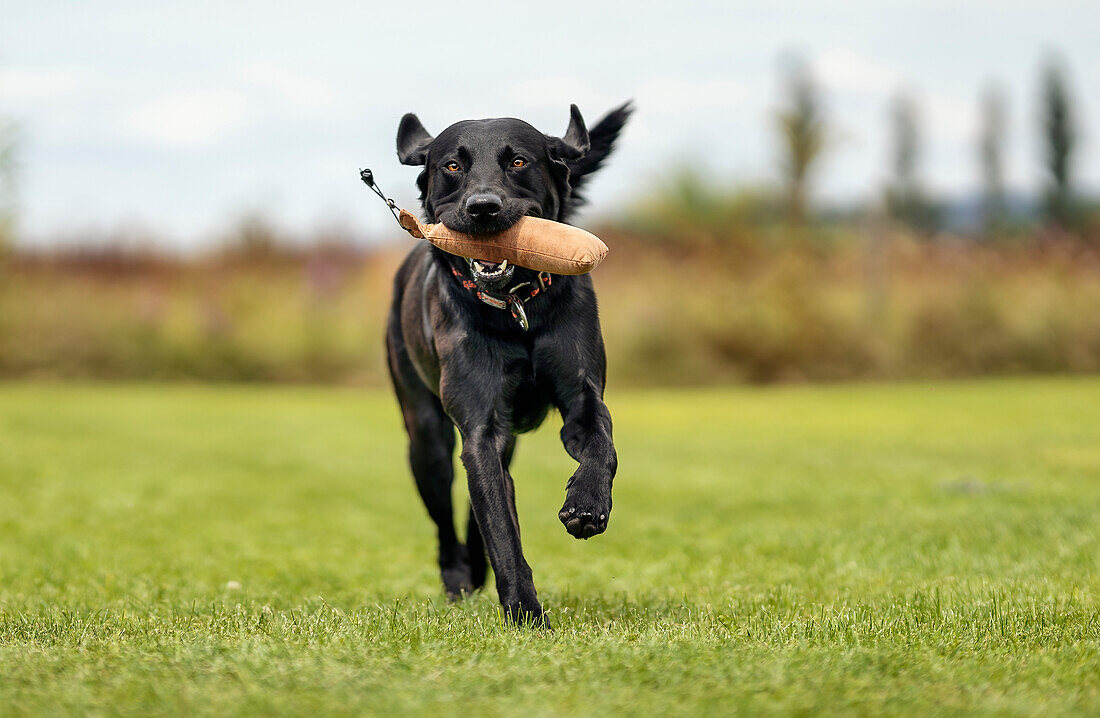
(490, 347)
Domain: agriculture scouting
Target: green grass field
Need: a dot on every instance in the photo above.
(874, 549)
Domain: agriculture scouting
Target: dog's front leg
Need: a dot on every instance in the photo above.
(571, 361)
(586, 434)
(472, 402)
(492, 497)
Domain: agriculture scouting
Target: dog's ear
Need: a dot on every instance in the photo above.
(412, 141)
(599, 141)
(574, 143)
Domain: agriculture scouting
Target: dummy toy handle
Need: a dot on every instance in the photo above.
(405, 219)
(368, 179)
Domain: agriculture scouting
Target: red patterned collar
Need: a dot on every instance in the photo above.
(512, 300)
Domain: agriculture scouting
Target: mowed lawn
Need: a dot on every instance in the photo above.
(874, 549)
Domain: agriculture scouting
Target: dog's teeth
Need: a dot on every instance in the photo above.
(504, 265)
(478, 267)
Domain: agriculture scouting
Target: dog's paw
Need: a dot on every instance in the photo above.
(457, 576)
(584, 514)
(526, 615)
(457, 582)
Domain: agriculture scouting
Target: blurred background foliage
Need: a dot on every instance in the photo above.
(8, 162)
(725, 293)
(708, 280)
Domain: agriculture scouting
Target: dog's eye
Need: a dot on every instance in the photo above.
(519, 162)
(452, 166)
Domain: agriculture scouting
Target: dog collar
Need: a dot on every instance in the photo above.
(513, 300)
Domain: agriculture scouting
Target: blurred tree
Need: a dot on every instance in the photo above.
(1060, 139)
(802, 129)
(905, 198)
(991, 156)
(254, 236)
(693, 207)
(7, 181)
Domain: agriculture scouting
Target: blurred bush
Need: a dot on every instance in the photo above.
(248, 313)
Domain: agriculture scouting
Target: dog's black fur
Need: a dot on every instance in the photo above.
(456, 361)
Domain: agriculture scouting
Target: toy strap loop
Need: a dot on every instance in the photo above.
(368, 179)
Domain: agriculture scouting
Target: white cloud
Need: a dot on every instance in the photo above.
(949, 118)
(22, 82)
(294, 87)
(665, 94)
(844, 70)
(190, 118)
(557, 91)
(945, 117)
(675, 94)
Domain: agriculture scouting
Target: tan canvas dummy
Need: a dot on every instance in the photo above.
(532, 242)
(535, 243)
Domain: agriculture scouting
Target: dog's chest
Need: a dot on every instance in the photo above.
(528, 401)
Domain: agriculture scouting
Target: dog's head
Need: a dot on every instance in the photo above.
(481, 176)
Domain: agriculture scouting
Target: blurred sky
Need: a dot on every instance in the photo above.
(180, 116)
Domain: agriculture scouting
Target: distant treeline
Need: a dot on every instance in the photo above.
(806, 134)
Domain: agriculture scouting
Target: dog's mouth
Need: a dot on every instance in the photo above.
(491, 273)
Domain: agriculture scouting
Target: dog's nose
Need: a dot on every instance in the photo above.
(484, 205)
